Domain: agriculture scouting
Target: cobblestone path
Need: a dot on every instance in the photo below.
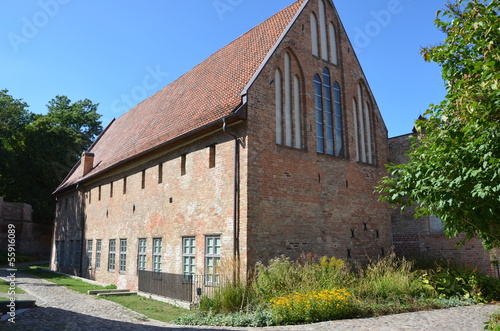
(64, 309)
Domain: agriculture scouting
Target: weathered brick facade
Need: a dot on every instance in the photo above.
(287, 200)
(425, 235)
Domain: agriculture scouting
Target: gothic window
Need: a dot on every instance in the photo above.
(288, 106)
(362, 128)
(333, 44)
(322, 30)
(314, 35)
(329, 129)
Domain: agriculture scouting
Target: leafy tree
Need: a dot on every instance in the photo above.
(454, 166)
(38, 151)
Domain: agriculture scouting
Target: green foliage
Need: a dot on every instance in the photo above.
(313, 306)
(230, 297)
(38, 151)
(391, 279)
(454, 161)
(257, 318)
(5, 288)
(493, 323)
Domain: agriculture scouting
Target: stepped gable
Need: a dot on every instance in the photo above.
(207, 93)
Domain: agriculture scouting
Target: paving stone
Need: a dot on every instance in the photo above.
(64, 309)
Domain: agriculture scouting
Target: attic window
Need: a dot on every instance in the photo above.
(111, 189)
(124, 185)
(100, 190)
(143, 180)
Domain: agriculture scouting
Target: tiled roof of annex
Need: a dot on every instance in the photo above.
(207, 93)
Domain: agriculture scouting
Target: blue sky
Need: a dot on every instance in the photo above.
(117, 53)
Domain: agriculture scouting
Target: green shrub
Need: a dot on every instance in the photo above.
(389, 279)
(493, 323)
(230, 297)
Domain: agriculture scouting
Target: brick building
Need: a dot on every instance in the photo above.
(270, 146)
(425, 235)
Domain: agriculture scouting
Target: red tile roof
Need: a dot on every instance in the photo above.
(208, 92)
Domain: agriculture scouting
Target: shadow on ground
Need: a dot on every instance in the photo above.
(49, 319)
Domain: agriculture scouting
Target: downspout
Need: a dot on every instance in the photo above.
(82, 224)
(236, 200)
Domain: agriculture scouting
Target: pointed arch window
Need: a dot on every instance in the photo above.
(314, 35)
(363, 132)
(333, 44)
(289, 128)
(322, 30)
(328, 106)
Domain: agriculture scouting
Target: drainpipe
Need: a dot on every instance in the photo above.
(82, 224)
(236, 199)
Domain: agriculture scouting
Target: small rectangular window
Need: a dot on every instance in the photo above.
(111, 189)
(98, 244)
(157, 254)
(89, 253)
(123, 255)
(90, 197)
(141, 255)
(211, 162)
(124, 185)
(183, 165)
(143, 180)
(160, 173)
(99, 195)
(188, 258)
(112, 255)
(212, 259)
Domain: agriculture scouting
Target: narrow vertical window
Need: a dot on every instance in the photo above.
(90, 197)
(212, 259)
(112, 255)
(143, 179)
(356, 131)
(211, 158)
(333, 44)
(98, 244)
(111, 189)
(123, 255)
(322, 30)
(318, 105)
(288, 102)
(314, 35)
(297, 113)
(368, 134)
(361, 128)
(99, 195)
(339, 140)
(141, 254)
(328, 123)
(124, 185)
(160, 173)
(157, 255)
(183, 165)
(279, 107)
(188, 258)
(89, 253)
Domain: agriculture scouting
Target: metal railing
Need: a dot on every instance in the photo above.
(180, 287)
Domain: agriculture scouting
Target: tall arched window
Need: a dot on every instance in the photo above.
(314, 35)
(327, 105)
(322, 30)
(363, 134)
(289, 128)
(339, 141)
(279, 106)
(356, 130)
(318, 105)
(333, 44)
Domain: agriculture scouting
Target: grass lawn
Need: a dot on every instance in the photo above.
(4, 299)
(154, 309)
(4, 287)
(151, 308)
